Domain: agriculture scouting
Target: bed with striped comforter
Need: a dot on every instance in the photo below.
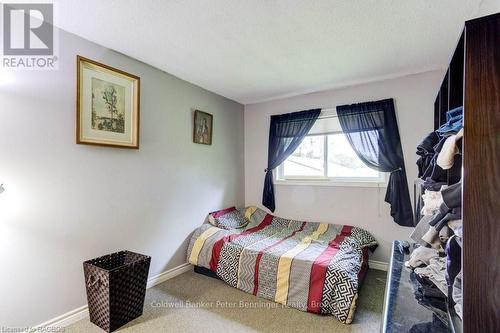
(314, 267)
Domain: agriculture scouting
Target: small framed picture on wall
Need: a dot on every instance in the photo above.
(202, 129)
(107, 105)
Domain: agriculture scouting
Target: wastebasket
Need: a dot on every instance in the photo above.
(116, 287)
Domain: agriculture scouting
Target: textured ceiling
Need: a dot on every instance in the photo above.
(255, 50)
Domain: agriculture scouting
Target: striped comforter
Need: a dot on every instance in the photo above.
(314, 267)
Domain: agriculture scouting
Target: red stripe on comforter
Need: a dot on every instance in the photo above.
(261, 253)
(223, 212)
(220, 243)
(318, 271)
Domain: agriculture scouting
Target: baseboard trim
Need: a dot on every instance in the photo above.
(82, 312)
(378, 265)
(66, 319)
(167, 275)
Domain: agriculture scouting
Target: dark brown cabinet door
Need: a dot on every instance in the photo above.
(481, 179)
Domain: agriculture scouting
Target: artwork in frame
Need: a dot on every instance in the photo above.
(107, 105)
(203, 124)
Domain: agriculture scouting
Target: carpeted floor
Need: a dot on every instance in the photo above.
(195, 303)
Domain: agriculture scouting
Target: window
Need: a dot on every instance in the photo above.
(326, 157)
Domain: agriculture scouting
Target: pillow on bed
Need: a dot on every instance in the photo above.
(254, 216)
(363, 238)
(229, 218)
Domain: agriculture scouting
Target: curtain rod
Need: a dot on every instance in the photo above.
(329, 115)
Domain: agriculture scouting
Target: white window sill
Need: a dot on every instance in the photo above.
(330, 183)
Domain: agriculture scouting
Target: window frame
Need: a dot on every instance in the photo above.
(280, 179)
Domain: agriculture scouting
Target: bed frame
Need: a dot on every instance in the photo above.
(206, 272)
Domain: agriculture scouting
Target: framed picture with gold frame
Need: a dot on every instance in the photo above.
(202, 129)
(107, 105)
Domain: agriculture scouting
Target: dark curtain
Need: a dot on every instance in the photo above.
(372, 130)
(285, 134)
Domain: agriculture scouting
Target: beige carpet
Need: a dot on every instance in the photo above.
(195, 303)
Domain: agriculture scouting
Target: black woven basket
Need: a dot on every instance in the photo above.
(116, 287)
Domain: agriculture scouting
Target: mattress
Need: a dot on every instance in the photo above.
(310, 266)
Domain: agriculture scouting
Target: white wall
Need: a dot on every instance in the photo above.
(364, 207)
(488, 7)
(65, 203)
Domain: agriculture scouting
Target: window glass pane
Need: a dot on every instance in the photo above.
(327, 123)
(343, 161)
(308, 159)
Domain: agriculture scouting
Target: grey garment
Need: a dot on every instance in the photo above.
(452, 195)
(445, 233)
(440, 214)
(421, 228)
(432, 185)
(455, 224)
(457, 294)
(455, 214)
(458, 234)
(431, 237)
(436, 273)
(427, 230)
(421, 256)
(426, 233)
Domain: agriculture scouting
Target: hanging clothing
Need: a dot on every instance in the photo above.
(453, 259)
(285, 134)
(431, 237)
(454, 214)
(454, 121)
(445, 233)
(439, 221)
(426, 152)
(421, 229)
(432, 201)
(431, 185)
(372, 131)
(452, 195)
(446, 157)
(440, 208)
(454, 225)
(434, 171)
(457, 294)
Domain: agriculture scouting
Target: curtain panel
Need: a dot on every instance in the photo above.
(285, 134)
(372, 131)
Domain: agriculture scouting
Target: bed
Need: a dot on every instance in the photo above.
(313, 267)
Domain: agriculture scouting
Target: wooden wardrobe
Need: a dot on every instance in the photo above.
(473, 80)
